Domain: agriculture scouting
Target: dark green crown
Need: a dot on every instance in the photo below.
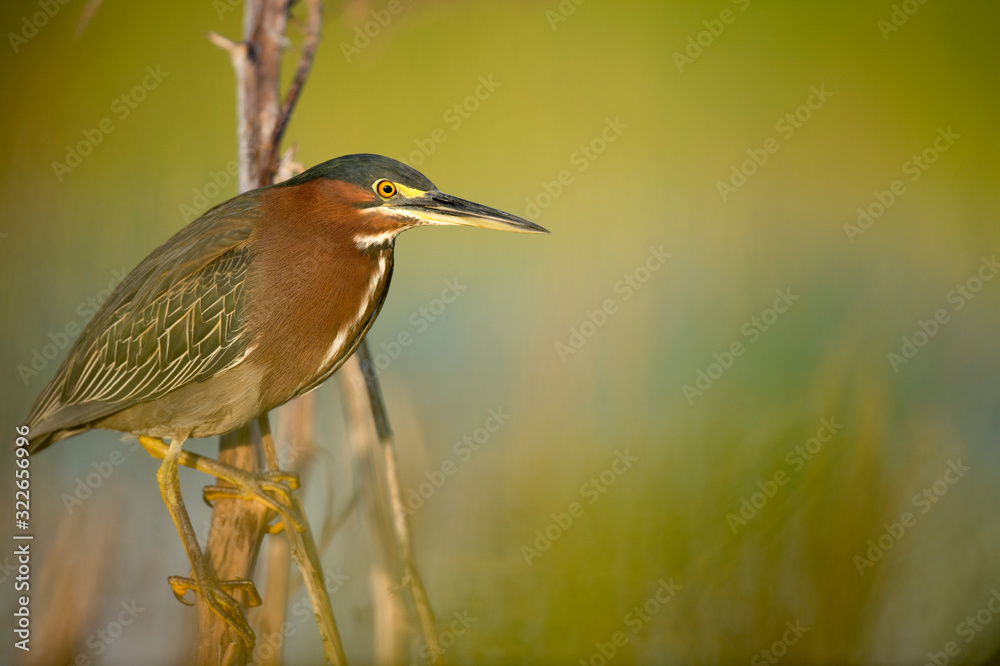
(364, 170)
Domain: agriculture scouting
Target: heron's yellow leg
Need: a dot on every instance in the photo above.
(204, 579)
(272, 488)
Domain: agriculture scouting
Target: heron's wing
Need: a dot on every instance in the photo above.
(179, 317)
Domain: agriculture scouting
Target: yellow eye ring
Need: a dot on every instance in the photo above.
(385, 188)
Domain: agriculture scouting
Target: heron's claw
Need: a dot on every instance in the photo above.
(221, 602)
(272, 489)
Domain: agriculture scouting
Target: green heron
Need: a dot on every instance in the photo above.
(251, 305)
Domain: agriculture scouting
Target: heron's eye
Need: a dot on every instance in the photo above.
(386, 188)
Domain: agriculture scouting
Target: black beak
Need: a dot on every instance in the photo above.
(438, 208)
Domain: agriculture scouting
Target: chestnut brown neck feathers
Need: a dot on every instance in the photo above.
(316, 279)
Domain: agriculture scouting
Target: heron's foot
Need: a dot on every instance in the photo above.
(272, 489)
(221, 602)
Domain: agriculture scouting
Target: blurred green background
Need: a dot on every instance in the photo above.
(683, 127)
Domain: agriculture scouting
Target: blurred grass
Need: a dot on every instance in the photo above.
(495, 346)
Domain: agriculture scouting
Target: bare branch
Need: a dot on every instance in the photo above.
(306, 556)
(310, 43)
(400, 522)
(235, 49)
(261, 128)
(386, 570)
(233, 545)
(301, 546)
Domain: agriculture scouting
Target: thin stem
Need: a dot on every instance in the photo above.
(270, 455)
(400, 521)
(385, 563)
(305, 555)
(310, 43)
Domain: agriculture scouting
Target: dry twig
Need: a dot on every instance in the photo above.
(385, 567)
(401, 526)
(238, 526)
